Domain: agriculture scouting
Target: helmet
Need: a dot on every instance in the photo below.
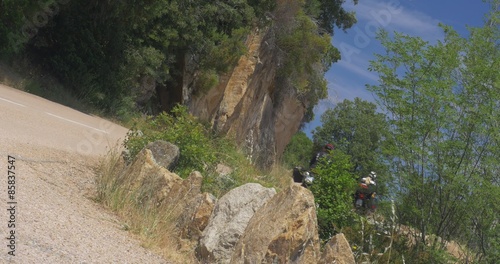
(373, 175)
(329, 146)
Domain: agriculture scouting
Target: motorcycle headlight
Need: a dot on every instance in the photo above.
(309, 179)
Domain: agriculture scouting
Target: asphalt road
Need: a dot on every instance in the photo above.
(33, 120)
(48, 153)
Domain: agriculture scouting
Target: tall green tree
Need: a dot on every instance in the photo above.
(103, 49)
(356, 128)
(21, 20)
(299, 151)
(331, 14)
(303, 31)
(441, 100)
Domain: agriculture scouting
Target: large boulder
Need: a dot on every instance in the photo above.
(149, 181)
(152, 184)
(164, 153)
(284, 230)
(337, 250)
(195, 216)
(229, 220)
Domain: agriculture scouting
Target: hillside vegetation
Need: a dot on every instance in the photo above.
(107, 52)
(433, 136)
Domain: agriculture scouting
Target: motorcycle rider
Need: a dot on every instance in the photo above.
(322, 153)
(365, 194)
(306, 177)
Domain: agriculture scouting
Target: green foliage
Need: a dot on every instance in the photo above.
(333, 187)
(227, 153)
(303, 40)
(15, 25)
(103, 50)
(261, 7)
(441, 102)
(357, 129)
(379, 239)
(226, 51)
(181, 129)
(200, 151)
(299, 151)
(205, 81)
(331, 14)
(85, 54)
(308, 56)
(371, 243)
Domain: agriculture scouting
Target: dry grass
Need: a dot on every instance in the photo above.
(279, 177)
(155, 226)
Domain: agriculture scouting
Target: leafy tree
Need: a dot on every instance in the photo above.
(308, 56)
(299, 151)
(333, 187)
(441, 103)
(331, 13)
(16, 24)
(302, 32)
(83, 47)
(357, 129)
(102, 50)
(191, 36)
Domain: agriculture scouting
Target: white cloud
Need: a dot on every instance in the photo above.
(348, 77)
(360, 68)
(391, 15)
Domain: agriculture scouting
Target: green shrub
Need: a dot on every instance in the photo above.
(333, 187)
(205, 81)
(299, 151)
(179, 128)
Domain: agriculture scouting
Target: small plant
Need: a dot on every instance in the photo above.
(181, 129)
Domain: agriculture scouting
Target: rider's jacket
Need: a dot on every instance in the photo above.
(316, 158)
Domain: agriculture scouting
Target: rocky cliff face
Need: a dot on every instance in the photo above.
(250, 105)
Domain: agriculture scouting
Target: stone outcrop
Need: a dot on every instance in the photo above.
(194, 218)
(249, 224)
(164, 153)
(249, 104)
(284, 230)
(150, 181)
(154, 185)
(229, 220)
(337, 250)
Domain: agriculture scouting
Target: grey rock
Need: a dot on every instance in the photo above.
(164, 153)
(229, 220)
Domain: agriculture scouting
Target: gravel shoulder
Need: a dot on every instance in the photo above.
(56, 220)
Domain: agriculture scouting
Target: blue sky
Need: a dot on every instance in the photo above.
(348, 77)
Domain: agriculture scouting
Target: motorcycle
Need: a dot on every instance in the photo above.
(365, 199)
(303, 176)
